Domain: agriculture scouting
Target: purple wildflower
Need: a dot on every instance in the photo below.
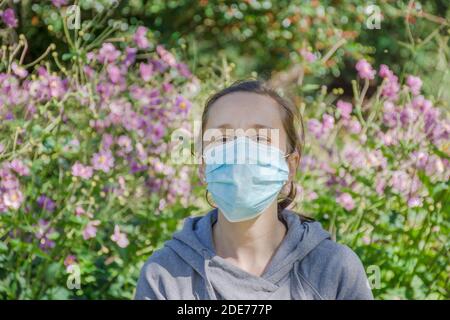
(308, 55)
(46, 203)
(79, 170)
(166, 56)
(346, 201)
(114, 73)
(90, 231)
(345, 109)
(103, 161)
(140, 37)
(12, 198)
(183, 105)
(108, 53)
(365, 70)
(146, 71)
(18, 70)
(119, 238)
(59, 3)
(19, 167)
(414, 84)
(42, 233)
(9, 18)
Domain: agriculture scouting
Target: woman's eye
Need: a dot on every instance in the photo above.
(224, 139)
(262, 139)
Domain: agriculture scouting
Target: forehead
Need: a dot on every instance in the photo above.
(244, 110)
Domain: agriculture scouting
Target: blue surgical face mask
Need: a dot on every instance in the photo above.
(244, 177)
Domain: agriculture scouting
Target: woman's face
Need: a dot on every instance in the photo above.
(247, 113)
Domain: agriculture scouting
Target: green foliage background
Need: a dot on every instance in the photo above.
(222, 41)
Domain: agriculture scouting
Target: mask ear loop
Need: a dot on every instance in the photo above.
(207, 199)
(292, 182)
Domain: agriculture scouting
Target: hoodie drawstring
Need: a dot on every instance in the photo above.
(209, 288)
(297, 292)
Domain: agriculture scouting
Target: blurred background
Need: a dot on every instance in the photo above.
(93, 95)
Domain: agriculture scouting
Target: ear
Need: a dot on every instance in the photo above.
(293, 162)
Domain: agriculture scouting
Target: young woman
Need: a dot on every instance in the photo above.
(251, 246)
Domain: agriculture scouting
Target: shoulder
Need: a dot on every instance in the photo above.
(158, 273)
(338, 255)
(163, 263)
(336, 272)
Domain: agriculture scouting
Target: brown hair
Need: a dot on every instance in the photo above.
(291, 118)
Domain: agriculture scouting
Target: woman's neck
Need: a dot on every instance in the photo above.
(250, 244)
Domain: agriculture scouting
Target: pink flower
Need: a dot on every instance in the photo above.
(90, 231)
(88, 71)
(8, 180)
(19, 167)
(422, 104)
(119, 238)
(346, 201)
(9, 18)
(59, 3)
(399, 181)
(114, 73)
(315, 127)
(167, 86)
(354, 156)
(327, 122)
(47, 86)
(319, 129)
(125, 143)
(365, 70)
(108, 53)
(419, 158)
(183, 69)
(311, 196)
(166, 56)
(414, 84)
(79, 170)
(391, 86)
(69, 260)
(408, 115)
(390, 114)
(183, 105)
(385, 72)
(103, 161)
(308, 55)
(44, 229)
(414, 201)
(90, 56)
(18, 70)
(140, 37)
(130, 56)
(380, 184)
(13, 198)
(353, 126)
(345, 108)
(146, 71)
(79, 211)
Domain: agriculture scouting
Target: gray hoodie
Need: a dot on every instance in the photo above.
(307, 265)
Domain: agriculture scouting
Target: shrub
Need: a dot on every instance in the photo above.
(376, 173)
(84, 176)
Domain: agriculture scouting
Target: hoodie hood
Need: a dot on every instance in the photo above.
(194, 244)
